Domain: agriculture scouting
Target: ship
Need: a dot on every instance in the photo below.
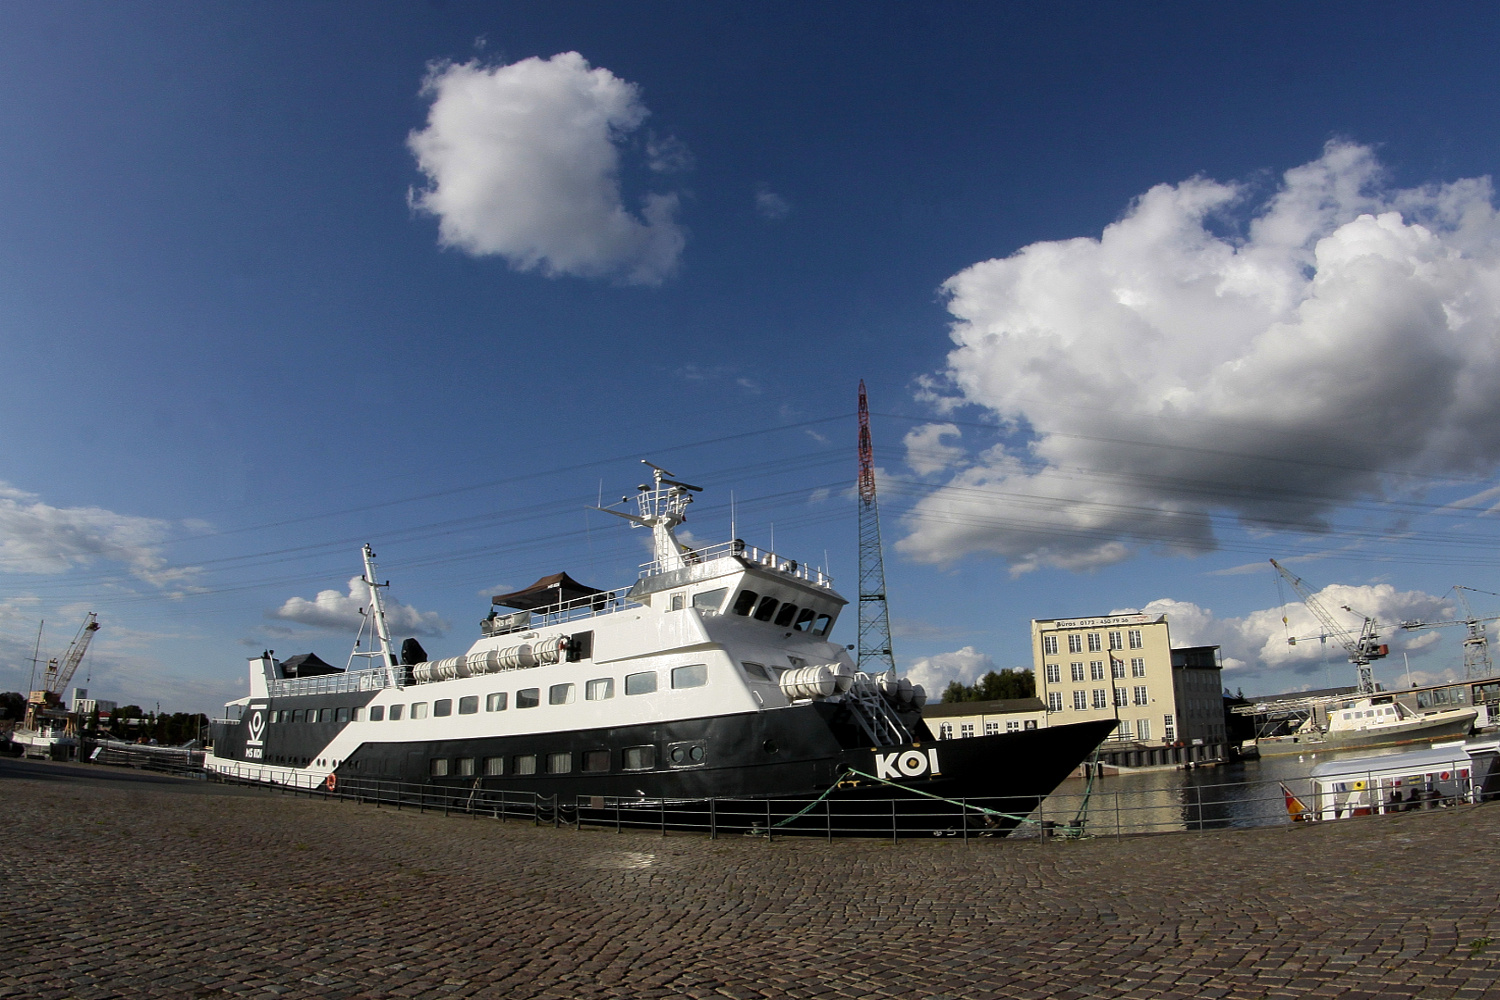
(1367, 723)
(712, 676)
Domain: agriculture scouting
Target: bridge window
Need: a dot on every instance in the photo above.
(787, 615)
(528, 697)
(377, 713)
(767, 609)
(825, 622)
(709, 600)
(495, 702)
(442, 708)
(805, 620)
(641, 683)
(746, 601)
(693, 676)
(468, 705)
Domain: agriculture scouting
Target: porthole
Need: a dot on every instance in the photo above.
(769, 746)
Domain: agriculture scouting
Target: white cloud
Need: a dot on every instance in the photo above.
(935, 673)
(668, 155)
(925, 451)
(340, 612)
(1192, 374)
(771, 205)
(523, 162)
(36, 537)
(1255, 649)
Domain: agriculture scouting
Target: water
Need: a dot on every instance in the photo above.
(1243, 794)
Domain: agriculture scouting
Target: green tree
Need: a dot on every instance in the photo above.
(1005, 685)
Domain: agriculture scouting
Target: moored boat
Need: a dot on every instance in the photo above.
(1369, 723)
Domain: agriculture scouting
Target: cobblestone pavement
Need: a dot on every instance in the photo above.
(127, 889)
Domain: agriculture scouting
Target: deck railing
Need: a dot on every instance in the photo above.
(761, 557)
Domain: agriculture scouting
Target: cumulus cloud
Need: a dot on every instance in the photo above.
(935, 673)
(340, 612)
(1255, 649)
(36, 537)
(1217, 354)
(771, 205)
(925, 451)
(668, 154)
(523, 162)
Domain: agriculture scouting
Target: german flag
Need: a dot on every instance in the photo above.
(1295, 807)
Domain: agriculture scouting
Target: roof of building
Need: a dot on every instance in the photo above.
(1005, 706)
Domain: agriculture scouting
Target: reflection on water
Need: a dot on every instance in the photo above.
(1246, 793)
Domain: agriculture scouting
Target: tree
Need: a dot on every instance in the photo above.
(12, 705)
(1006, 685)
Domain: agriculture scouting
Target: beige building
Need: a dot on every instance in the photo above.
(958, 719)
(1122, 667)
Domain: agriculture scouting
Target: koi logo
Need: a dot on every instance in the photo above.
(257, 725)
(907, 764)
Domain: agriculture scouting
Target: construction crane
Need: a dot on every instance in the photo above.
(59, 673)
(1477, 662)
(1362, 648)
(874, 656)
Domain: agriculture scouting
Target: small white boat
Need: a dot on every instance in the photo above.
(1367, 723)
(1418, 779)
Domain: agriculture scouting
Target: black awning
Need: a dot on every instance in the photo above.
(307, 665)
(559, 588)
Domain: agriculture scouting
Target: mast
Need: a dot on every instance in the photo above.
(377, 614)
(874, 617)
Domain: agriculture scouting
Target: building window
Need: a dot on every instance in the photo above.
(468, 705)
(1030, 723)
(1054, 675)
(640, 758)
(1096, 670)
(1077, 671)
(1049, 645)
(1169, 731)
(466, 767)
(598, 760)
(495, 702)
(524, 764)
(692, 676)
(1135, 639)
(945, 731)
(601, 689)
(1012, 727)
(1140, 694)
(1123, 733)
(419, 710)
(1080, 701)
(1075, 643)
(559, 763)
(1054, 701)
(560, 694)
(1115, 641)
(377, 713)
(1116, 667)
(1122, 698)
(1143, 730)
(991, 728)
(966, 730)
(438, 767)
(641, 683)
(494, 765)
(1095, 642)
(1101, 698)
(528, 698)
(1138, 666)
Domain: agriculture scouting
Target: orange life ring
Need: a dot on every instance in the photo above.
(331, 781)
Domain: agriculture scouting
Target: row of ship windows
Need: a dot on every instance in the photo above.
(1081, 701)
(642, 758)
(1095, 640)
(966, 729)
(600, 689)
(788, 615)
(1096, 669)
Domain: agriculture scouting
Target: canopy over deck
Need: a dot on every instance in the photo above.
(559, 588)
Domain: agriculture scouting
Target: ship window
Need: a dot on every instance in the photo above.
(580, 646)
(297, 715)
(495, 702)
(377, 713)
(679, 601)
(767, 609)
(525, 764)
(469, 705)
(596, 760)
(438, 767)
(419, 710)
(685, 754)
(559, 763)
(560, 694)
(325, 715)
(709, 600)
(528, 697)
(759, 672)
(746, 601)
(787, 616)
(642, 683)
(466, 767)
(640, 758)
(494, 765)
(600, 689)
(692, 676)
(443, 707)
(341, 715)
(825, 622)
(805, 619)
(396, 712)
(354, 714)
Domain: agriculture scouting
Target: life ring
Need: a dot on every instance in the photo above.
(331, 781)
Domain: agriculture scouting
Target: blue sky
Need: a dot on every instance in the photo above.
(1143, 295)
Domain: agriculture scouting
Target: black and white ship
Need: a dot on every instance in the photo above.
(712, 676)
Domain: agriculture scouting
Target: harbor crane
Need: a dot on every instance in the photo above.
(1477, 661)
(1362, 647)
(59, 673)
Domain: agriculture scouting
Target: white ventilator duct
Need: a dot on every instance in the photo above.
(490, 661)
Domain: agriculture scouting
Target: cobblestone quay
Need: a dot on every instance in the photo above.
(121, 885)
